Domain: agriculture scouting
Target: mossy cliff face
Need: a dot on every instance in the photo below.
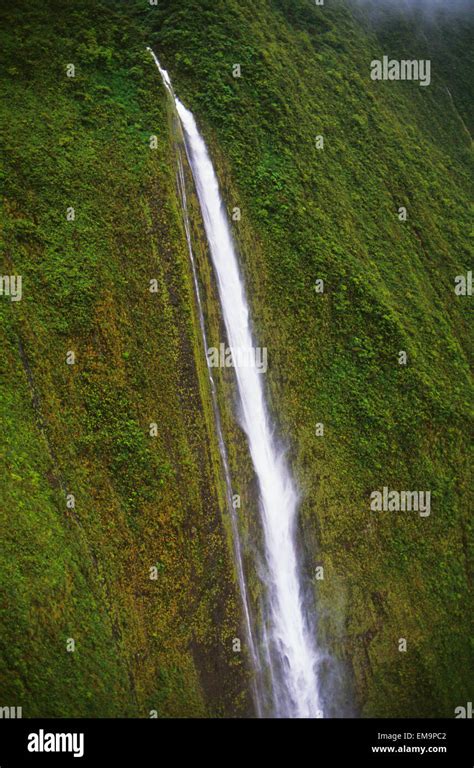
(308, 213)
(311, 213)
(100, 143)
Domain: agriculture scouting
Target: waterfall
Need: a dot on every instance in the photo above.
(286, 650)
(257, 694)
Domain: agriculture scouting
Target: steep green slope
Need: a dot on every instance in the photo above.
(307, 214)
(332, 214)
(141, 502)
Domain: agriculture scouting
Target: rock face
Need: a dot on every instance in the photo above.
(120, 597)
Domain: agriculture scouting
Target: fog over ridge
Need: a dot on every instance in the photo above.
(428, 6)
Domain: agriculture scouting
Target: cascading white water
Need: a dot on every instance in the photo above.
(256, 687)
(290, 652)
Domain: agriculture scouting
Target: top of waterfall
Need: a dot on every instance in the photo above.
(164, 74)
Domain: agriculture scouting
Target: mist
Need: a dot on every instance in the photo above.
(427, 7)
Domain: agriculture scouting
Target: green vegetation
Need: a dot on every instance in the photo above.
(140, 501)
(307, 214)
(389, 286)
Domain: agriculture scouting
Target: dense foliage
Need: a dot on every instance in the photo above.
(307, 213)
(141, 502)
